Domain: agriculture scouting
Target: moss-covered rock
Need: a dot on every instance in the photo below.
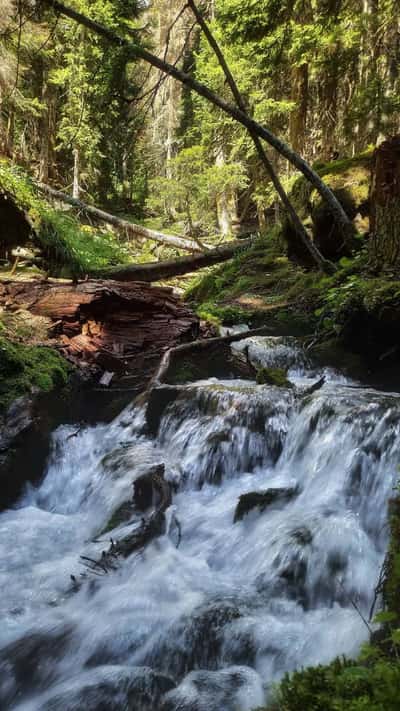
(349, 180)
(23, 368)
(273, 376)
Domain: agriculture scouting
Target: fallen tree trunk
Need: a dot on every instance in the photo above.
(137, 51)
(134, 230)
(301, 231)
(148, 529)
(200, 345)
(106, 325)
(155, 271)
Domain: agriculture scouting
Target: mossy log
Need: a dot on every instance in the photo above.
(133, 230)
(385, 205)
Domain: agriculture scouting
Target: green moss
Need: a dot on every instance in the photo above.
(70, 248)
(273, 376)
(24, 367)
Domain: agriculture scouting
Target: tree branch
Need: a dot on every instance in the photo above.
(293, 216)
(139, 52)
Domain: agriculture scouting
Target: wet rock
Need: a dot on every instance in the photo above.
(121, 515)
(158, 401)
(262, 499)
(198, 640)
(273, 376)
(110, 688)
(302, 535)
(227, 690)
(17, 420)
(143, 488)
(30, 662)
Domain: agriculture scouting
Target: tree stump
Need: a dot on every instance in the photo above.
(385, 205)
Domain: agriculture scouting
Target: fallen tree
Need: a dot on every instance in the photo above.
(154, 271)
(137, 51)
(157, 489)
(105, 325)
(130, 228)
(295, 220)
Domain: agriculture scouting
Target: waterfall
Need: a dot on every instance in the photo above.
(211, 623)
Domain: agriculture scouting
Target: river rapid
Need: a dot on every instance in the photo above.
(208, 616)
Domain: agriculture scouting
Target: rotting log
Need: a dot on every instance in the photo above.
(106, 325)
(156, 271)
(385, 205)
(130, 228)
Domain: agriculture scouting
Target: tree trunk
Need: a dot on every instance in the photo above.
(385, 205)
(298, 117)
(226, 202)
(156, 271)
(75, 184)
(44, 159)
(237, 114)
(135, 231)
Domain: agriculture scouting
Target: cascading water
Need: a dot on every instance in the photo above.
(210, 624)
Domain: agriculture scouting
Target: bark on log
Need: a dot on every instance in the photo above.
(137, 51)
(156, 271)
(202, 344)
(385, 205)
(112, 326)
(136, 231)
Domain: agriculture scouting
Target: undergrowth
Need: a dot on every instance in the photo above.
(70, 248)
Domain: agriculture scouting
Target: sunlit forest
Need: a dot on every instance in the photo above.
(199, 355)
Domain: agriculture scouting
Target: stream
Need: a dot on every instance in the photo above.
(209, 619)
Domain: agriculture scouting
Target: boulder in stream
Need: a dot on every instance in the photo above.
(262, 499)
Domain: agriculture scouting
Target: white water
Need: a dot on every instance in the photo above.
(210, 625)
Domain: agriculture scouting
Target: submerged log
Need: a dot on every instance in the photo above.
(130, 228)
(385, 204)
(151, 489)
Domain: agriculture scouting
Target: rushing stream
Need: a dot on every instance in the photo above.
(207, 624)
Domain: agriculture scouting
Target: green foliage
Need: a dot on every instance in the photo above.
(69, 246)
(342, 685)
(75, 248)
(192, 188)
(25, 367)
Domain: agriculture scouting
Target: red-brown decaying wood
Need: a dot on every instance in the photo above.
(116, 326)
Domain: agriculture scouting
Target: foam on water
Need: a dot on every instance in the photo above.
(211, 624)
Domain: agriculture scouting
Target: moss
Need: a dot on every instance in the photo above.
(69, 247)
(273, 376)
(25, 367)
